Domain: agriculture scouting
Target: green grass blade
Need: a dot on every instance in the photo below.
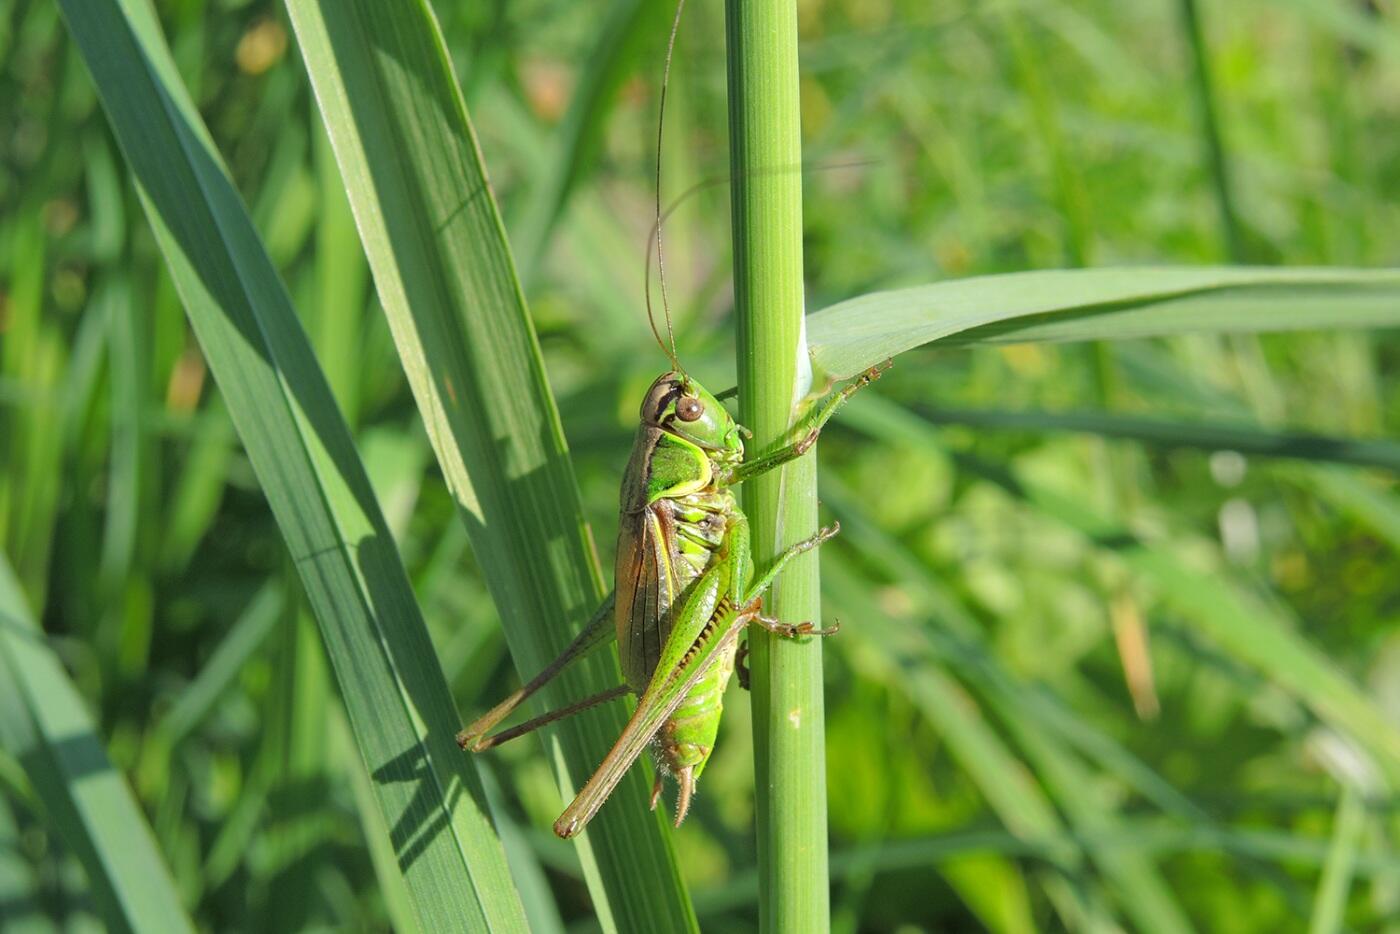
(1329, 911)
(1213, 143)
(1170, 433)
(44, 723)
(1368, 503)
(21, 905)
(447, 282)
(245, 637)
(1098, 304)
(398, 900)
(399, 706)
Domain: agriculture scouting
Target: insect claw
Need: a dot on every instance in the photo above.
(872, 374)
(475, 742)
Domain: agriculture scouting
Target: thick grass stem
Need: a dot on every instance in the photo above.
(789, 756)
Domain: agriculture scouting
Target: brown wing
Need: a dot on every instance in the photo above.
(646, 587)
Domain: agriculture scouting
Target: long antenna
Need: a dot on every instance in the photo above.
(714, 181)
(669, 346)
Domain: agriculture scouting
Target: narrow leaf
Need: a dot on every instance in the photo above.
(1329, 911)
(398, 702)
(445, 276)
(44, 723)
(1097, 304)
(1175, 433)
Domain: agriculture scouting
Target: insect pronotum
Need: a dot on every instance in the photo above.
(685, 586)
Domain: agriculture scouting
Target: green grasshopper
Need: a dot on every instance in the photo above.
(684, 582)
(684, 590)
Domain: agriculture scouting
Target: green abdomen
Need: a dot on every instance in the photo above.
(688, 737)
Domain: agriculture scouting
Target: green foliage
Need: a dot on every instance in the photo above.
(1105, 658)
(447, 283)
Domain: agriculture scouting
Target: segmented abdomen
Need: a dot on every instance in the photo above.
(687, 738)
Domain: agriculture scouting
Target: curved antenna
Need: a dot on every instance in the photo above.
(670, 350)
(714, 181)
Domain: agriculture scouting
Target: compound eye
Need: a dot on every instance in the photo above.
(689, 408)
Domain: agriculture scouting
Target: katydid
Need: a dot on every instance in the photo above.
(685, 588)
(684, 584)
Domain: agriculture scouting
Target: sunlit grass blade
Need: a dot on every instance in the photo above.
(44, 723)
(1242, 438)
(447, 282)
(399, 706)
(1098, 304)
(1329, 911)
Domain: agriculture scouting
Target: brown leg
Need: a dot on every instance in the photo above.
(599, 628)
(483, 743)
(793, 630)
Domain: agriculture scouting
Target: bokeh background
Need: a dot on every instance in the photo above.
(1042, 625)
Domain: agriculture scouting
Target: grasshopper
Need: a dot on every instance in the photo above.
(685, 588)
(684, 583)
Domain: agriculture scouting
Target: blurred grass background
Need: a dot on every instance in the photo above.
(1036, 698)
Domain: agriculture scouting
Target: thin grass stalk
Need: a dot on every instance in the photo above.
(789, 735)
(1203, 87)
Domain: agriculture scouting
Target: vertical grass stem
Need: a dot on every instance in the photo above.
(789, 757)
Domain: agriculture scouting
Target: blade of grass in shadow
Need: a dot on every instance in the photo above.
(398, 900)
(1169, 433)
(1098, 304)
(43, 722)
(22, 908)
(447, 282)
(244, 637)
(301, 450)
(1213, 143)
